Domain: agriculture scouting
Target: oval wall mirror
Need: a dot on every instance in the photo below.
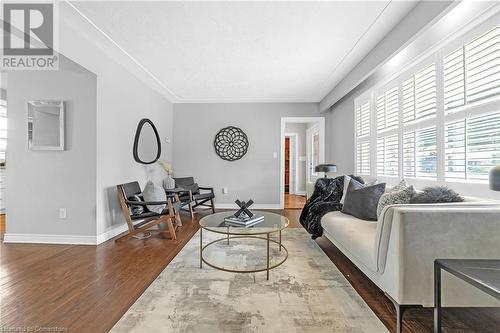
(147, 145)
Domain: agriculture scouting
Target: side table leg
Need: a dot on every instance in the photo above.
(201, 247)
(228, 235)
(267, 256)
(280, 240)
(437, 297)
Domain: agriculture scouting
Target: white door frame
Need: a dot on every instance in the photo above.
(294, 150)
(284, 121)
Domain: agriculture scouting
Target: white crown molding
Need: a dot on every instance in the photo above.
(49, 239)
(71, 16)
(247, 100)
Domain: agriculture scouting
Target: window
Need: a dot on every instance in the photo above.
(439, 120)
(419, 95)
(363, 158)
(472, 72)
(363, 125)
(363, 119)
(388, 110)
(472, 147)
(388, 156)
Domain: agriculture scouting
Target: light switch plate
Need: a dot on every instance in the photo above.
(62, 213)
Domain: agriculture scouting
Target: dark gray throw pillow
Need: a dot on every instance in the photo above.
(361, 201)
(436, 194)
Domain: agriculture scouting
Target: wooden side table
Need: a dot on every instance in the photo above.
(483, 274)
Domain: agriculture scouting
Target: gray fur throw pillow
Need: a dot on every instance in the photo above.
(400, 196)
(436, 194)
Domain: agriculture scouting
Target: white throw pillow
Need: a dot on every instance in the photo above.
(154, 192)
(347, 179)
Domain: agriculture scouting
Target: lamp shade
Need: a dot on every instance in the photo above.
(325, 168)
(495, 178)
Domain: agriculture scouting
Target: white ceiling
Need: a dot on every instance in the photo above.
(247, 51)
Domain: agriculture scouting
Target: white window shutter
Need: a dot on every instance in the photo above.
(409, 154)
(388, 156)
(482, 66)
(409, 100)
(363, 119)
(483, 145)
(426, 152)
(454, 80)
(363, 158)
(454, 146)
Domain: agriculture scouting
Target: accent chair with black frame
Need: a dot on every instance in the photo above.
(195, 195)
(142, 222)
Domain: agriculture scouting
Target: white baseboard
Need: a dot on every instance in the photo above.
(113, 232)
(49, 239)
(254, 206)
(300, 193)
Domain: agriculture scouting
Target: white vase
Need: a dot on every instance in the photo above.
(168, 183)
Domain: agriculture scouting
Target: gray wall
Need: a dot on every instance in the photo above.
(339, 125)
(41, 182)
(257, 175)
(300, 130)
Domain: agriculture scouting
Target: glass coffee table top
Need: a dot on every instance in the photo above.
(272, 223)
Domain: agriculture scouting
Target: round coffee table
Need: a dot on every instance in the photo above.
(273, 223)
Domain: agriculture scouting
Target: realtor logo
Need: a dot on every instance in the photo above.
(29, 36)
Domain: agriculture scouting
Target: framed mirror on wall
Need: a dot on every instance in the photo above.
(147, 144)
(46, 125)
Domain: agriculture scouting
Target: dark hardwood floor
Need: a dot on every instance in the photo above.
(88, 288)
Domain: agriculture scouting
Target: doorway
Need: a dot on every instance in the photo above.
(302, 148)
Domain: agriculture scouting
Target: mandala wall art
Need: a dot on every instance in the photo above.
(231, 143)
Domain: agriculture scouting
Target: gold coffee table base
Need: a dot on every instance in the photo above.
(226, 239)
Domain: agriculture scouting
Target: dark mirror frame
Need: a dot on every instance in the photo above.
(136, 141)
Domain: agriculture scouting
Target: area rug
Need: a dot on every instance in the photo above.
(305, 294)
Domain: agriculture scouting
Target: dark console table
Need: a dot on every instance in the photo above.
(483, 274)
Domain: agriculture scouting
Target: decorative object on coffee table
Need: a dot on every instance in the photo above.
(231, 143)
(243, 208)
(326, 168)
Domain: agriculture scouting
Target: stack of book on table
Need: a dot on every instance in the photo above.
(244, 221)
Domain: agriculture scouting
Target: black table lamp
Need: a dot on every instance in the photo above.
(495, 178)
(325, 168)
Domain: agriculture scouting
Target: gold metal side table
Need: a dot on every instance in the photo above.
(273, 223)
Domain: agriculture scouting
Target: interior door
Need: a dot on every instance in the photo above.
(314, 152)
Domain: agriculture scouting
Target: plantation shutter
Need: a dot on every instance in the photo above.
(454, 151)
(363, 158)
(472, 73)
(483, 145)
(388, 155)
(363, 119)
(409, 154)
(482, 66)
(454, 80)
(388, 109)
(419, 95)
(426, 152)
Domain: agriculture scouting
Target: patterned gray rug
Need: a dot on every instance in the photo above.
(305, 294)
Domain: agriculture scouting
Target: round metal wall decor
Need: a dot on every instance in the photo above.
(231, 143)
